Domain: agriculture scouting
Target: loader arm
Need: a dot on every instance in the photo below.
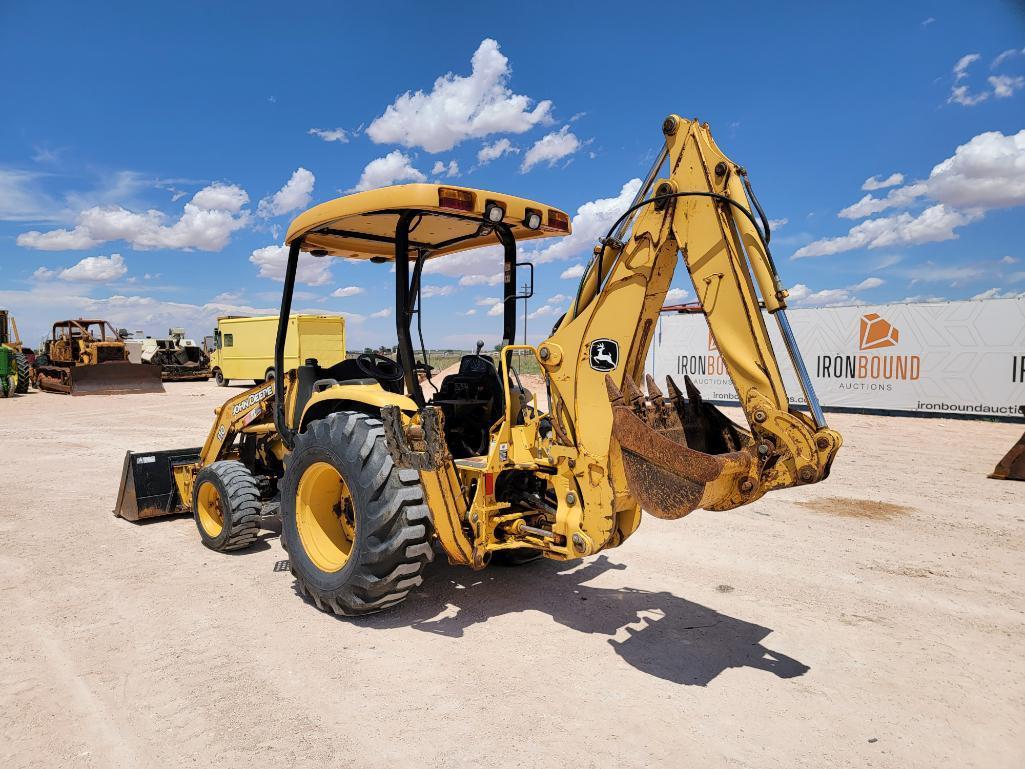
(672, 454)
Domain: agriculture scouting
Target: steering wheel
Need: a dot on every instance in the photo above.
(379, 367)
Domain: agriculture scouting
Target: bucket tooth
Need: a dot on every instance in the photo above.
(653, 391)
(631, 392)
(693, 393)
(614, 393)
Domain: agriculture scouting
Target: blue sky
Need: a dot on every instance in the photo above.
(151, 154)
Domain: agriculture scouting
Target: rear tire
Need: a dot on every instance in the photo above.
(226, 506)
(219, 378)
(24, 372)
(373, 545)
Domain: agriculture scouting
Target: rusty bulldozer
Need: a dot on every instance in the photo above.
(88, 357)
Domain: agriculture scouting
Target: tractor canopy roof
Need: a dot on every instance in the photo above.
(449, 220)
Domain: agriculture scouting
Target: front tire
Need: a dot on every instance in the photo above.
(219, 378)
(357, 527)
(24, 373)
(226, 506)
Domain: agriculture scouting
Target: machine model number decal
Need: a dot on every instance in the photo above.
(603, 354)
(252, 400)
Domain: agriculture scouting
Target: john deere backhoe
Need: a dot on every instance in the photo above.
(370, 474)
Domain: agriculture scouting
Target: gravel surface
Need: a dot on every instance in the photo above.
(875, 619)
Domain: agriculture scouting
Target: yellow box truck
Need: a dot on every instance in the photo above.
(244, 347)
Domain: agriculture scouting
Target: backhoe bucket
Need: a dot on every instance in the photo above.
(679, 454)
(1012, 466)
(115, 378)
(147, 487)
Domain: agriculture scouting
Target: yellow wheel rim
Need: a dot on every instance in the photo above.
(208, 505)
(325, 517)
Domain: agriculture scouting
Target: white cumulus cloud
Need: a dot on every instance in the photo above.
(551, 148)
(802, 296)
(441, 169)
(312, 270)
(1005, 85)
(342, 293)
(987, 172)
(206, 223)
(936, 223)
(875, 183)
(571, 273)
(868, 283)
(676, 295)
(92, 269)
(495, 150)
(591, 222)
(330, 134)
(428, 291)
(460, 107)
(296, 194)
(393, 167)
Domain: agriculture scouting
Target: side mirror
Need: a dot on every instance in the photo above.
(530, 291)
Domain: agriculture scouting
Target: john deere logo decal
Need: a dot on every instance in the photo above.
(604, 354)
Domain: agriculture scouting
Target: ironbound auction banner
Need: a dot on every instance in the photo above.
(955, 358)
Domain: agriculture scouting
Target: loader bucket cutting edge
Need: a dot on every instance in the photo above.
(1012, 466)
(116, 378)
(147, 487)
(666, 477)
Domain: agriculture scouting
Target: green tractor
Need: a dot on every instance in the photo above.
(8, 372)
(21, 357)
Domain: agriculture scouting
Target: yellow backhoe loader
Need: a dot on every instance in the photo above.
(369, 475)
(88, 357)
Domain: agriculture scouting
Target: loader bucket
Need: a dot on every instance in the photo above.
(147, 487)
(678, 454)
(115, 378)
(1012, 466)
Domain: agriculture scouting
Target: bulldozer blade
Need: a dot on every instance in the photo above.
(147, 487)
(667, 477)
(115, 378)
(1012, 466)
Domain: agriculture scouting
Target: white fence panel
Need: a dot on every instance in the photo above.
(954, 358)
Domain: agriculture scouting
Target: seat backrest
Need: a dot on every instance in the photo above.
(478, 379)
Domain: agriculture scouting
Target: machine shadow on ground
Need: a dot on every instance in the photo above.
(658, 633)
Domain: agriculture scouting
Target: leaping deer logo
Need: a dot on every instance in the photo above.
(604, 354)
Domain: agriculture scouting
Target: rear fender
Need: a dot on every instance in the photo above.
(367, 398)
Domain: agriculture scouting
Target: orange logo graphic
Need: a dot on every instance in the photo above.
(711, 343)
(877, 333)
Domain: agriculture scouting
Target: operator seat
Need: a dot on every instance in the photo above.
(472, 400)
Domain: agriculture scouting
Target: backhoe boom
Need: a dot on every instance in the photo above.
(674, 454)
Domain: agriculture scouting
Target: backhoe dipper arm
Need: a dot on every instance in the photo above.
(673, 454)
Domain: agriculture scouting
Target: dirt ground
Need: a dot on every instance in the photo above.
(875, 619)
